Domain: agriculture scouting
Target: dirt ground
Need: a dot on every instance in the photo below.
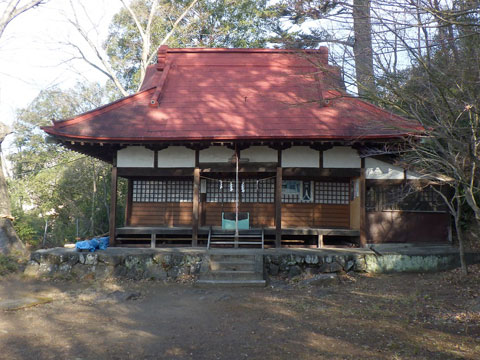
(403, 316)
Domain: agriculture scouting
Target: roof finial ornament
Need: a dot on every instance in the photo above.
(162, 57)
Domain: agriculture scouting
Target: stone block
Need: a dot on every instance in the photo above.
(155, 272)
(330, 267)
(349, 265)
(273, 269)
(32, 269)
(312, 270)
(311, 259)
(299, 259)
(294, 271)
(91, 259)
(360, 264)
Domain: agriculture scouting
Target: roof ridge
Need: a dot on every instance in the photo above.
(321, 50)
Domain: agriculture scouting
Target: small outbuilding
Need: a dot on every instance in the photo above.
(255, 141)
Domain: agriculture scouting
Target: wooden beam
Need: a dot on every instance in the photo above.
(389, 182)
(363, 212)
(243, 168)
(196, 198)
(280, 145)
(152, 172)
(278, 208)
(113, 205)
(324, 172)
(324, 146)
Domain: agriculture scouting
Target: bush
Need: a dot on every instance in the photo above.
(8, 264)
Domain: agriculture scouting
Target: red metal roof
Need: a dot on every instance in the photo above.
(236, 94)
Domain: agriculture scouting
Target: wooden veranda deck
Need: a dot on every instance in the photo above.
(158, 236)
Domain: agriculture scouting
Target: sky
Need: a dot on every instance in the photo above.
(33, 53)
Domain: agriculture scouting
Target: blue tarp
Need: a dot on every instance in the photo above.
(93, 244)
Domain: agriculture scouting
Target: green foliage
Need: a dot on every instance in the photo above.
(8, 264)
(51, 185)
(210, 23)
(27, 228)
(70, 193)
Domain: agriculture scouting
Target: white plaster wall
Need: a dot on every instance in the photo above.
(341, 157)
(300, 156)
(135, 156)
(259, 154)
(176, 156)
(216, 154)
(376, 169)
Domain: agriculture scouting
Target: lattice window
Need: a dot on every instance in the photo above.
(162, 191)
(179, 191)
(148, 191)
(221, 190)
(266, 191)
(404, 198)
(332, 193)
(250, 190)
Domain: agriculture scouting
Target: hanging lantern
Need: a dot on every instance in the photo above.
(231, 186)
(221, 184)
(243, 186)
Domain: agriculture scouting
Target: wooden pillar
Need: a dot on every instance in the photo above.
(363, 213)
(153, 241)
(278, 202)
(113, 204)
(128, 207)
(320, 241)
(196, 196)
(203, 210)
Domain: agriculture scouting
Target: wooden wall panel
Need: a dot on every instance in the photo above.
(261, 215)
(315, 215)
(161, 214)
(407, 227)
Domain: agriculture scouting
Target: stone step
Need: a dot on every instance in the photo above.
(231, 283)
(232, 265)
(232, 275)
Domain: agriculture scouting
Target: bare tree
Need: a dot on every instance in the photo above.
(13, 9)
(101, 61)
(362, 47)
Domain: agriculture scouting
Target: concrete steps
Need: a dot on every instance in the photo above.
(232, 270)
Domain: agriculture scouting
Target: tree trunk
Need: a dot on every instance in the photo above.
(9, 241)
(461, 248)
(362, 48)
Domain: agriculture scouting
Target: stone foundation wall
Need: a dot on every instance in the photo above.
(296, 264)
(170, 264)
(130, 264)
